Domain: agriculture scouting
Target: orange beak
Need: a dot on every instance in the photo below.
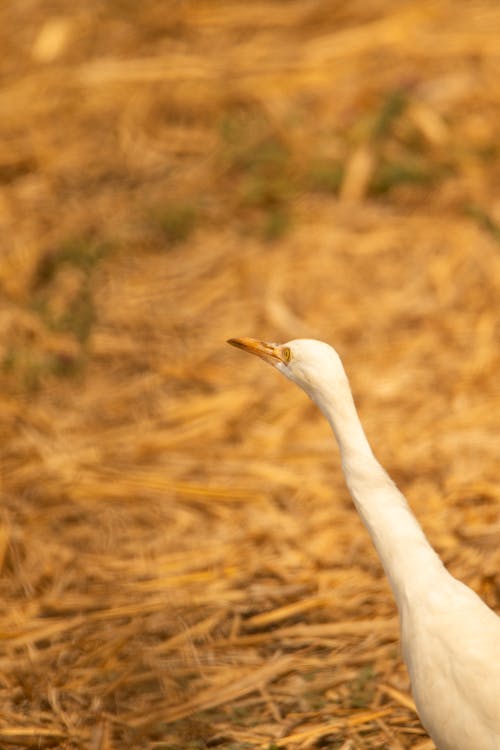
(270, 353)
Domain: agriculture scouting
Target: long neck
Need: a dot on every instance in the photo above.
(409, 561)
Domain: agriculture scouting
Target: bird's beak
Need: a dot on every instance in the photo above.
(270, 353)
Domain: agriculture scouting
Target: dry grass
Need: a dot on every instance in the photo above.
(181, 566)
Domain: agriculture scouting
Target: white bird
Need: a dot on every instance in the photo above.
(450, 637)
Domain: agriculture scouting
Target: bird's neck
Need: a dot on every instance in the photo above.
(410, 562)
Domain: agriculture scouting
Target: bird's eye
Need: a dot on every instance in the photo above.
(287, 354)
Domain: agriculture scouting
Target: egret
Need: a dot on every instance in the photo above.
(450, 637)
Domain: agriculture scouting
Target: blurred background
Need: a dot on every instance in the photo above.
(181, 565)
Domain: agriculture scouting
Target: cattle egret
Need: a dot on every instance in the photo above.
(450, 637)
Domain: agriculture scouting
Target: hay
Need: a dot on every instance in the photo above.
(181, 565)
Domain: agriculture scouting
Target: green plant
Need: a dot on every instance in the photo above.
(176, 221)
(362, 688)
(79, 252)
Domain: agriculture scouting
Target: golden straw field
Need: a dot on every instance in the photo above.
(181, 565)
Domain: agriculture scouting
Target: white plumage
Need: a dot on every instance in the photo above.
(450, 637)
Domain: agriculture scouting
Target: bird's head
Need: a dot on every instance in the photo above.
(313, 365)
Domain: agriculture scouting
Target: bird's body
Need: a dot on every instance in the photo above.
(451, 646)
(450, 637)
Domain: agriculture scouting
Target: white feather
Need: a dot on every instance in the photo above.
(450, 637)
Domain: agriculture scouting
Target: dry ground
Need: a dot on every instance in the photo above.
(181, 566)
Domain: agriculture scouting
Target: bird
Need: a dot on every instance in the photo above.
(450, 638)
